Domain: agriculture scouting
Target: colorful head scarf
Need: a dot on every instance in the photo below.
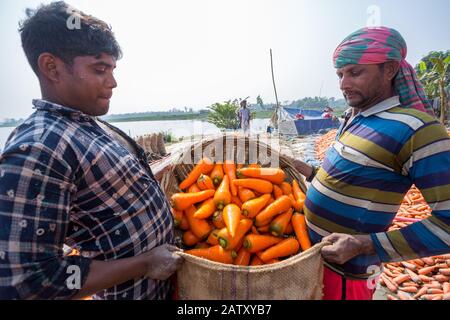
(377, 45)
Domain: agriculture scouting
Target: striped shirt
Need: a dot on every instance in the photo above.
(64, 180)
(365, 175)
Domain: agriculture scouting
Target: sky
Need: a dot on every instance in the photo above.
(193, 53)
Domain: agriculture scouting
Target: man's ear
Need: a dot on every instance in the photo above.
(391, 69)
(48, 67)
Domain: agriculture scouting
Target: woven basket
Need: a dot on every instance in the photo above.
(297, 278)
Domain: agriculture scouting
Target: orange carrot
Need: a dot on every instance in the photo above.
(301, 231)
(177, 217)
(298, 205)
(236, 201)
(289, 228)
(264, 228)
(279, 224)
(277, 192)
(217, 174)
(254, 165)
(227, 241)
(259, 185)
(204, 182)
(446, 287)
(298, 193)
(201, 245)
(184, 224)
(254, 230)
(189, 238)
(274, 175)
(207, 209)
(252, 207)
(280, 205)
(427, 270)
(231, 217)
(284, 248)
(445, 272)
(256, 261)
(204, 166)
(286, 187)
(255, 243)
(392, 286)
(243, 258)
(181, 201)
(230, 170)
(245, 194)
(215, 253)
(218, 219)
(200, 227)
(222, 197)
(401, 278)
(213, 238)
(414, 277)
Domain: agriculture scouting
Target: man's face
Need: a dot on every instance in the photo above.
(361, 84)
(88, 84)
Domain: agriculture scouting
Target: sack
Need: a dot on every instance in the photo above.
(297, 278)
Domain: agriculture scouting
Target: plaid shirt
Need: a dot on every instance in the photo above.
(64, 180)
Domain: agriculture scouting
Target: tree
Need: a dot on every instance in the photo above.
(224, 115)
(434, 73)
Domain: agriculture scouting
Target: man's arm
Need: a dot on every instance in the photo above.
(305, 169)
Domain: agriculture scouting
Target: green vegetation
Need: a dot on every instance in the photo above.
(224, 115)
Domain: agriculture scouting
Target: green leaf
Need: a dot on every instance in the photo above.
(422, 66)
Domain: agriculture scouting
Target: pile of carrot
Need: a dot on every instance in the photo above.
(424, 279)
(240, 214)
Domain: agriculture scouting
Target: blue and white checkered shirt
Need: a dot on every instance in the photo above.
(64, 180)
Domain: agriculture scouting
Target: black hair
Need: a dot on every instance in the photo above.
(65, 32)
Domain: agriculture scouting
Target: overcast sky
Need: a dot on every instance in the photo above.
(194, 53)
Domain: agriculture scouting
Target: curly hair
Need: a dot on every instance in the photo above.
(48, 29)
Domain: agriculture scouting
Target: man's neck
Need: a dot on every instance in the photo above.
(376, 101)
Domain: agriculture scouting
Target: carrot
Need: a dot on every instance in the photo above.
(445, 272)
(231, 217)
(441, 278)
(206, 209)
(414, 277)
(277, 192)
(229, 242)
(421, 292)
(190, 239)
(204, 182)
(254, 165)
(252, 207)
(239, 166)
(256, 261)
(432, 297)
(274, 175)
(446, 287)
(236, 201)
(243, 258)
(200, 227)
(222, 197)
(279, 225)
(301, 231)
(429, 261)
(404, 296)
(213, 238)
(434, 291)
(255, 243)
(230, 170)
(177, 217)
(427, 270)
(184, 224)
(217, 174)
(259, 185)
(286, 187)
(182, 201)
(408, 265)
(201, 245)
(284, 248)
(239, 245)
(424, 278)
(204, 166)
(391, 297)
(218, 219)
(298, 205)
(280, 205)
(289, 228)
(264, 228)
(194, 188)
(298, 193)
(254, 230)
(215, 253)
(401, 278)
(271, 261)
(392, 286)
(245, 194)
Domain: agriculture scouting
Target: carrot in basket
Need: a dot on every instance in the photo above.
(255, 243)
(254, 165)
(252, 207)
(274, 175)
(229, 242)
(177, 217)
(200, 227)
(289, 228)
(236, 201)
(204, 182)
(213, 238)
(298, 193)
(279, 225)
(284, 248)
(277, 192)
(301, 230)
(182, 201)
(264, 228)
(245, 194)
(204, 166)
(194, 188)
(280, 205)
(243, 258)
(258, 185)
(214, 253)
(231, 217)
(222, 197)
(201, 245)
(218, 219)
(217, 174)
(207, 209)
(184, 224)
(189, 238)
(286, 187)
(256, 261)
(230, 170)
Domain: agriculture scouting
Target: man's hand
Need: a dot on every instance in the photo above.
(162, 261)
(345, 247)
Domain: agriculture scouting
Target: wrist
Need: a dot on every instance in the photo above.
(366, 244)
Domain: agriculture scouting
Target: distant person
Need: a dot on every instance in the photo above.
(299, 116)
(244, 116)
(68, 178)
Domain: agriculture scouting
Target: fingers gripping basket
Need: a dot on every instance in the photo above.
(296, 278)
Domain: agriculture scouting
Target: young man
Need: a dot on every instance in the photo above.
(68, 178)
(386, 144)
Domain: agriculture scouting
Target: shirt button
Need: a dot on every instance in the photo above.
(23, 223)
(10, 193)
(2, 255)
(40, 232)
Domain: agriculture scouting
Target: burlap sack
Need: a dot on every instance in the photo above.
(297, 278)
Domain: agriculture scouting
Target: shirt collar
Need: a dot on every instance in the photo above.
(382, 106)
(40, 104)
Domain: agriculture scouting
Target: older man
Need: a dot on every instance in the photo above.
(388, 143)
